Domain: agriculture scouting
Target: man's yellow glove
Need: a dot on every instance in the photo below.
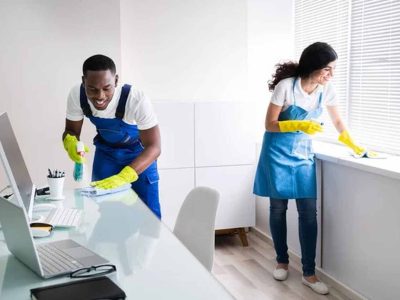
(346, 139)
(307, 126)
(70, 142)
(127, 175)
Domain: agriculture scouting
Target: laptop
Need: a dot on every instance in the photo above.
(46, 259)
(21, 182)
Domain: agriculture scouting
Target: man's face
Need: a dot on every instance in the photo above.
(100, 87)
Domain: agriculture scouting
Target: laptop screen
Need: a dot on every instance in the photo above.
(14, 163)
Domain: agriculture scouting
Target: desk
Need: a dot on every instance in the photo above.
(151, 262)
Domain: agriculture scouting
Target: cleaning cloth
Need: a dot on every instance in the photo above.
(92, 191)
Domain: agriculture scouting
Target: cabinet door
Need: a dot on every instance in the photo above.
(236, 207)
(174, 185)
(225, 133)
(176, 121)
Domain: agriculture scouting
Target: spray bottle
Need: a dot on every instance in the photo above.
(78, 169)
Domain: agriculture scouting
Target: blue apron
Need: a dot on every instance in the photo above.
(117, 145)
(286, 169)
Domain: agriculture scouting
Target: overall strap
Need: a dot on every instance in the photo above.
(320, 99)
(120, 112)
(84, 103)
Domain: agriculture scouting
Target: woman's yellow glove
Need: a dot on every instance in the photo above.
(346, 139)
(70, 143)
(307, 126)
(127, 175)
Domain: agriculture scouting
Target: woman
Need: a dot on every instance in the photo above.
(286, 169)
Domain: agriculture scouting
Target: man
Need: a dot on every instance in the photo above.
(128, 137)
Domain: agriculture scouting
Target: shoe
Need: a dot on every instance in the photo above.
(280, 274)
(319, 287)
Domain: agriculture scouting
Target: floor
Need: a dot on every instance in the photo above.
(246, 272)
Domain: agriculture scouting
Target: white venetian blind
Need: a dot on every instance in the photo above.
(326, 21)
(375, 74)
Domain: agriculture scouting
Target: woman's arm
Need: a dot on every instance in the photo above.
(335, 118)
(271, 119)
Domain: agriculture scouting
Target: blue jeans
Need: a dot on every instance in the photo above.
(307, 209)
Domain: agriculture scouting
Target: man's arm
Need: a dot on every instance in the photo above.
(151, 141)
(72, 128)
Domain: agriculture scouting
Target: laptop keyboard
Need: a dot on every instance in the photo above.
(55, 261)
(64, 217)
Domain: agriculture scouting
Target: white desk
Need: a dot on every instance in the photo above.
(151, 262)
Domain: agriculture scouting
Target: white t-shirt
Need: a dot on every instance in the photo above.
(138, 109)
(283, 95)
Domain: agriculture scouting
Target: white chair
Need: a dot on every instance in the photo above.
(195, 224)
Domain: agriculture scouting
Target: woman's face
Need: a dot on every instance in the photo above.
(325, 74)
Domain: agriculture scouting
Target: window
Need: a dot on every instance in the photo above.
(326, 21)
(366, 36)
(374, 86)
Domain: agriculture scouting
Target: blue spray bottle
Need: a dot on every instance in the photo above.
(78, 169)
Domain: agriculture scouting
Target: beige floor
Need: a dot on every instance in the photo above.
(246, 272)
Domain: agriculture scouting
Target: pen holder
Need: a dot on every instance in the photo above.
(56, 186)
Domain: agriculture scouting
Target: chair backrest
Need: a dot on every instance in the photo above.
(195, 224)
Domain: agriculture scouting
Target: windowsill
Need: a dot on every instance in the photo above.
(338, 154)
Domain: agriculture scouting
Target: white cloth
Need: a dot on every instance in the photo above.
(138, 110)
(283, 95)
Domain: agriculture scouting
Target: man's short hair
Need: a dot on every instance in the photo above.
(98, 62)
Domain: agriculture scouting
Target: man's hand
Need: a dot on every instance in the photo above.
(127, 175)
(70, 143)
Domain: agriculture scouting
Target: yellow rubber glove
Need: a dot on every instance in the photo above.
(127, 175)
(70, 142)
(307, 126)
(346, 139)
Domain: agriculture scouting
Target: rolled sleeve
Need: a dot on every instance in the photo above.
(74, 110)
(141, 111)
(279, 95)
(330, 96)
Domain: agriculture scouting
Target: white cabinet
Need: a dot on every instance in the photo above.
(225, 134)
(174, 185)
(208, 144)
(176, 121)
(235, 185)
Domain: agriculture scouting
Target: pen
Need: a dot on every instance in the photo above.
(50, 175)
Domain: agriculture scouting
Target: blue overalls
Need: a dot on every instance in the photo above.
(117, 145)
(286, 169)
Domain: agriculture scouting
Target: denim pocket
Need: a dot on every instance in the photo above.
(153, 177)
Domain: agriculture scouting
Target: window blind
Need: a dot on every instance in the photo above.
(326, 21)
(374, 90)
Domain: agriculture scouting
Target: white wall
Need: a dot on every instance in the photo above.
(361, 230)
(44, 44)
(186, 50)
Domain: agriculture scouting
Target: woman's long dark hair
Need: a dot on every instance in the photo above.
(315, 57)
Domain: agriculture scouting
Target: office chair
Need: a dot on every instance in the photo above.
(195, 224)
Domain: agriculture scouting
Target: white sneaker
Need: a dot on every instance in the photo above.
(280, 274)
(318, 287)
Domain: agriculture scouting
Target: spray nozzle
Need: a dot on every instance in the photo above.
(80, 148)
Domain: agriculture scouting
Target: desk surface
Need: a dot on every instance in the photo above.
(151, 262)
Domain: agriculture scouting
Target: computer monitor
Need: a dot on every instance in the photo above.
(14, 165)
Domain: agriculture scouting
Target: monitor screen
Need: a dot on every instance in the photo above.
(14, 164)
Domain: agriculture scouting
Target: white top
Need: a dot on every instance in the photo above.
(283, 95)
(138, 110)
